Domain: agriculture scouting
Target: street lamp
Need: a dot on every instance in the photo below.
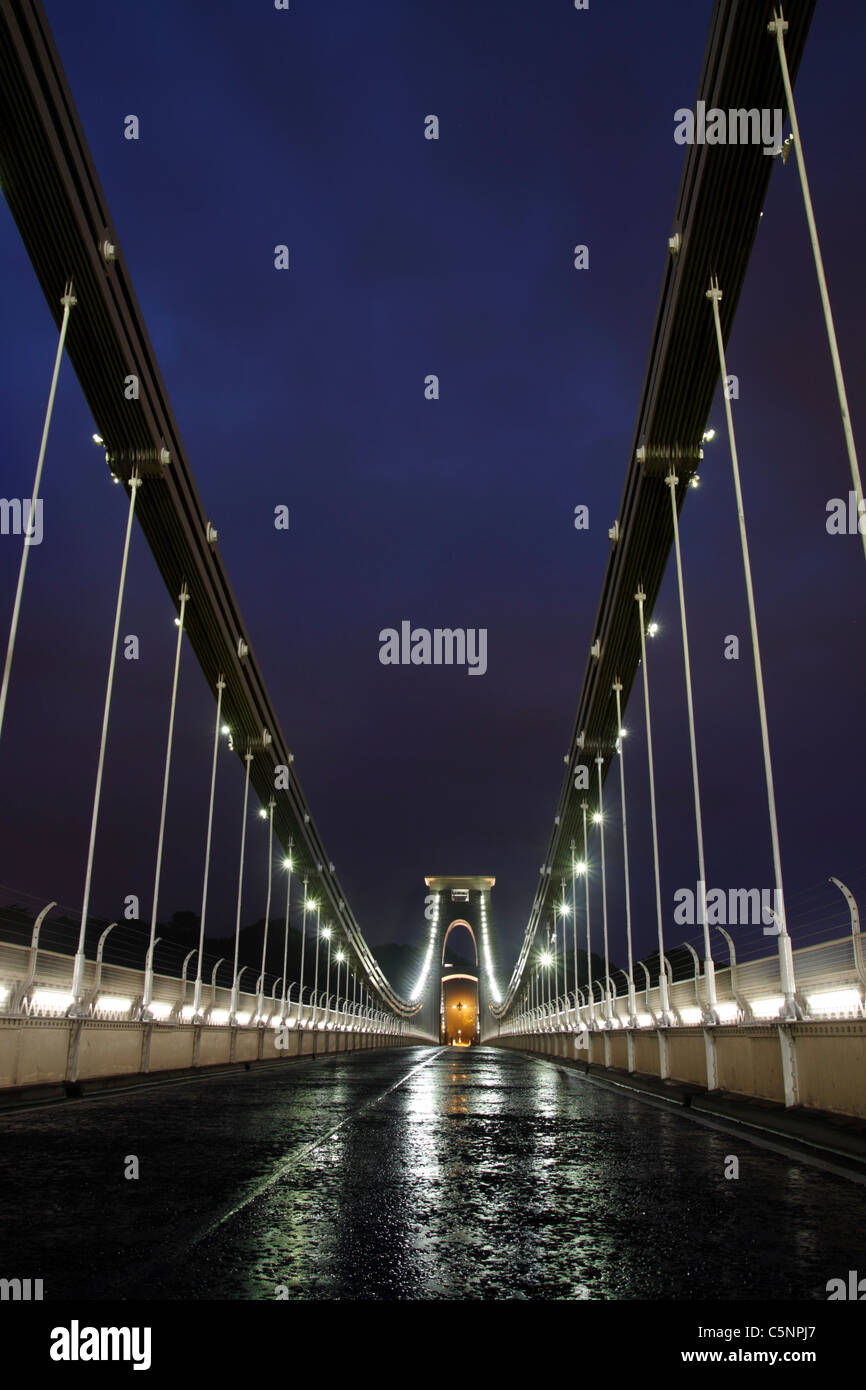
(599, 820)
(196, 1003)
(340, 958)
(564, 910)
(326, 933)
(148, 977)
(316, 972)
(667, 1017)
(269, 817)
(287, 865)
(309, 906)
(546, 959)
(78, 965)
(233, 1007)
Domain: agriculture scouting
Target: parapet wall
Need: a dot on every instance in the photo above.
(44, 1051)
(820, 1066)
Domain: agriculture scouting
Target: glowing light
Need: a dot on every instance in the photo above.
(767, 1008)
(97, 439)
(596, 820)
(690, 1016)
(224, 729)
(287, 864)
(546, 958)
(263, 813)
(326, 933)
(309, 905)
(644, 1020)
(114, 1003)
(241, 1019)
(652, 629)
(728, 1013)
(835, 1001)
(708, 435)
(52, 999)
(695, 481)
(219, 1016)
(340, 957)
(159, 1009)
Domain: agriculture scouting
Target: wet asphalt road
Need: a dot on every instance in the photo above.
(416, 1173)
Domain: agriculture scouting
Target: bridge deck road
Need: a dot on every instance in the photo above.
(418, 1173)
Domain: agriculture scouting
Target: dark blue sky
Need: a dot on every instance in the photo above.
(306, 388)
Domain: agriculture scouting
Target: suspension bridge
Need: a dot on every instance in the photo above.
(774, 1044)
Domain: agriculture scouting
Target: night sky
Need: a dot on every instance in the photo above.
(305, 388)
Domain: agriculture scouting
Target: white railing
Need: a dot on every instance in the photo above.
(831, 984)
(36, 983)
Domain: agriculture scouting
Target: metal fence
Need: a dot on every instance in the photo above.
(37, 983)
(831, 984)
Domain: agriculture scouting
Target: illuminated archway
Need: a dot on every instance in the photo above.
(459, 922)
(458, 996)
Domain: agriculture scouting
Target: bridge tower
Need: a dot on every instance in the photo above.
(462, 995)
